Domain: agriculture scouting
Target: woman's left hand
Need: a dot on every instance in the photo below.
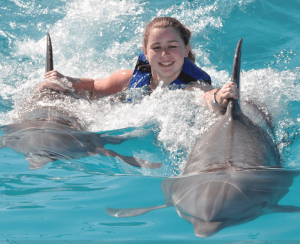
(229, 90)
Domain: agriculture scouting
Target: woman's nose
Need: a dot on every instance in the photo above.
(165, 51)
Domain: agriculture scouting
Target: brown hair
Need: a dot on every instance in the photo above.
(164, 22)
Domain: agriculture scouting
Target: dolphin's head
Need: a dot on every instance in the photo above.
(213, 201)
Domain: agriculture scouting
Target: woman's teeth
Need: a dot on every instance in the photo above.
(166, 63)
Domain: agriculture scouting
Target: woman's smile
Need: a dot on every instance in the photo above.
(166, 64)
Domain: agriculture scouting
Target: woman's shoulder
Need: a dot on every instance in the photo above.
(191, 69)
(142, 57)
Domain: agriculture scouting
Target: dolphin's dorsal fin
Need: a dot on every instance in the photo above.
(235, 77)
(233, 105)
(131, 212)
(49, 56)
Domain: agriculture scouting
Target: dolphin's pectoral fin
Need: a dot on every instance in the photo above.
(138, 162)
(37, 161)
(283, 209)
(131, 212)
(134, 161)
(114, 139)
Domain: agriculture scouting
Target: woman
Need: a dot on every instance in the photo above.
(166, 57)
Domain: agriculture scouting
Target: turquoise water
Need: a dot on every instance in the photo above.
(66, 200)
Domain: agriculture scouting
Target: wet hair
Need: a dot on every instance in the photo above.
(164, 22)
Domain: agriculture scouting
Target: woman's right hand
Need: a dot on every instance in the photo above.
(52, 75)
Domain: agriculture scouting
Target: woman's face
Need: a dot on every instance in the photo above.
(165, 52)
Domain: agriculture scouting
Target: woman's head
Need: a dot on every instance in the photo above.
(165, 22)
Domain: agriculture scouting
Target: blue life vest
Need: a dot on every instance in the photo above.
(189, 73)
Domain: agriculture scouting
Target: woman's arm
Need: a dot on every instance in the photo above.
(98, 87)
(113, 84)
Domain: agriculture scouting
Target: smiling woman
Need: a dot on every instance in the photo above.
(167, 57)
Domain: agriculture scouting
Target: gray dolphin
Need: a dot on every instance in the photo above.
(50, 134)
(233, 175)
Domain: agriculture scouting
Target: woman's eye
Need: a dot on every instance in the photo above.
(156, 48)
(172, 47)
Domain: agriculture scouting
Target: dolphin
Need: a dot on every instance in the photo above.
(49, 134)
(233, 174)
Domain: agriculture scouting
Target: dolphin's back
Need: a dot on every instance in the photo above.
(233, 142)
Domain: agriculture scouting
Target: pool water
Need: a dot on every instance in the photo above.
(66, 200)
